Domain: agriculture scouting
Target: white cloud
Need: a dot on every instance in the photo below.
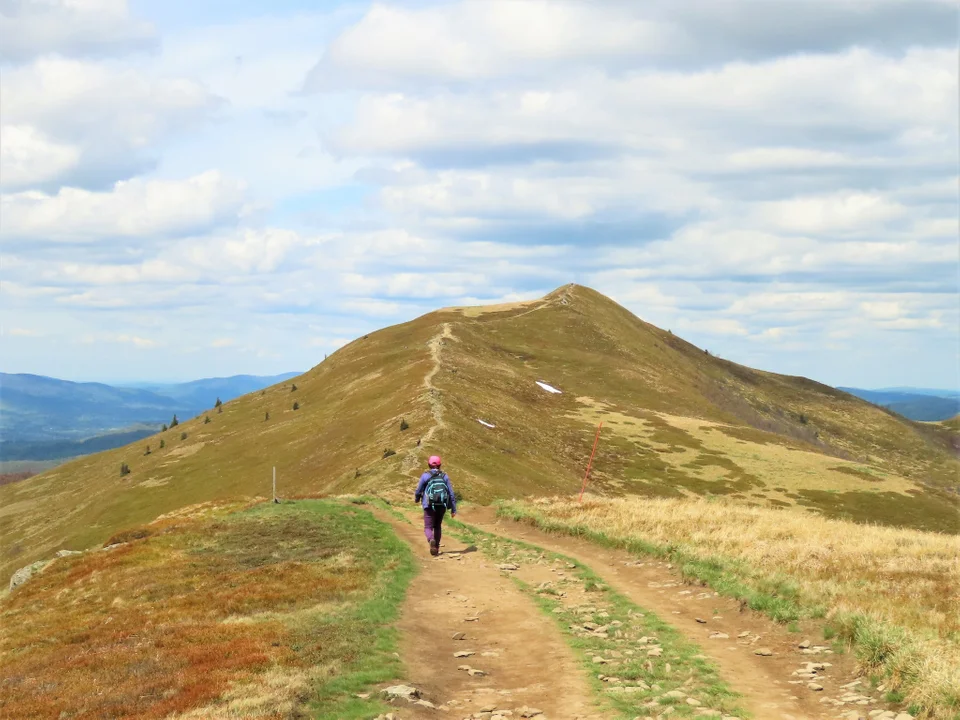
(713, 326)
(842, 212)
(138, 342)
(774, 334)
(28, 158)
(136, 208)
(482, 39)
(70, 27)
(223, 343)
(23, 332)
(98, 121)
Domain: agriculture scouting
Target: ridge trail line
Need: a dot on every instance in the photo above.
(524, 658)
(764, 682)
(412, 461)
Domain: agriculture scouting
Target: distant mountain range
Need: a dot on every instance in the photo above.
(43, 418)
(921, 404)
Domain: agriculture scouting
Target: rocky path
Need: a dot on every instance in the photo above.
(781, 675)
(475, 647)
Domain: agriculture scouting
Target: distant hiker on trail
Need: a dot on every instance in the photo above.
(435, 493)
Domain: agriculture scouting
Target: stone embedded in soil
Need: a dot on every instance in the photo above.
(508, 566)
(529, 712)
(406, 692)
(719, 636)
(459, 636)
(464, 654)
(701, 621)
(763, 652)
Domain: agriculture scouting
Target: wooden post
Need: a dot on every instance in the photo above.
(275, 484)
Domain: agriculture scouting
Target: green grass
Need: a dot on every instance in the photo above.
(681, 665)
(368, 628)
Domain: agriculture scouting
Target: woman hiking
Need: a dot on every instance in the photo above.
(435, 493)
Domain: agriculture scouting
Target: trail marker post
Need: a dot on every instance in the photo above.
(275, 484)
(590, 464)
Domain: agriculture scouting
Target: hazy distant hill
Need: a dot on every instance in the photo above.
(203, 393)
(46, 418)
(913, 403)
(677, 422)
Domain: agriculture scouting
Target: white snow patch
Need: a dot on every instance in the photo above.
(485, 423)
(549, 388)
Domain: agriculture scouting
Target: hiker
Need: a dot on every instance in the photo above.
(435, 493)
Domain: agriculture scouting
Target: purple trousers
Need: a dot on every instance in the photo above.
(432, 520)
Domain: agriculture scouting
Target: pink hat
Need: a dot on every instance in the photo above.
(435, 461)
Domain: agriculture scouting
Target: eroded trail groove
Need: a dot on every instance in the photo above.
(523, 661)
(771, 685)
(412, 460)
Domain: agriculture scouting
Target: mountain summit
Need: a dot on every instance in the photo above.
(510, 396)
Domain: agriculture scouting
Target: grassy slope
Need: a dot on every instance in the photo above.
(953, 423)
(592, 348)
(349, 413)
(351, 404)
(891, 592)
(217, 612)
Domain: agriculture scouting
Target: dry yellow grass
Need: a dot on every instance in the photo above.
(473, 311)
(894, 591)
(781, 468)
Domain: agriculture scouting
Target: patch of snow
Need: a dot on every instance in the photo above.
(549, 388)
(485, 423)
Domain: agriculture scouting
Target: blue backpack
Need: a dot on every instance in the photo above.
(436, 491)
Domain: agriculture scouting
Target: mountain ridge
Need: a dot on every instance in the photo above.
(677, 421)
(917, 405)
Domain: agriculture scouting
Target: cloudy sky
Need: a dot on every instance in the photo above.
(204, 188)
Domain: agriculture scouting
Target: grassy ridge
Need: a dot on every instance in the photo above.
(348, 418)
(216, 612)
(890, 593)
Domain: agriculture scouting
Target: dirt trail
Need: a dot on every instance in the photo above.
(524, 657)
(769, 687)
(412, 461)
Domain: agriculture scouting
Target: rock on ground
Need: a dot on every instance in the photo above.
(27, 572)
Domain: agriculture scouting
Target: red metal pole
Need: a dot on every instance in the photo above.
(590, 464)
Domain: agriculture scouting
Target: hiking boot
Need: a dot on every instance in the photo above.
(434, 548)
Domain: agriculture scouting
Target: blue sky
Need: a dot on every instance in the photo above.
(210, 188)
